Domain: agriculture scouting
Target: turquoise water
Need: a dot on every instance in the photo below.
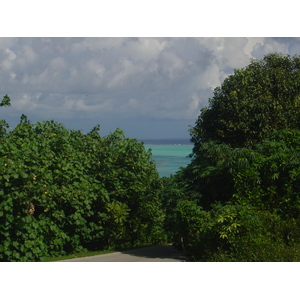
(169, 158)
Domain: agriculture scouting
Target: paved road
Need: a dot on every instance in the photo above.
(165, 253)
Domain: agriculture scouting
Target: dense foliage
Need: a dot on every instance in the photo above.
(253, 102)
(63, 192)
(241, 197)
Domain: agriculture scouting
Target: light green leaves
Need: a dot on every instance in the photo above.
(118, 211)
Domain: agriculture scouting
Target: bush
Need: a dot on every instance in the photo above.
(63, 192)
(236, 233)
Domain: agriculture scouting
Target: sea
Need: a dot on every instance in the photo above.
(169, 154)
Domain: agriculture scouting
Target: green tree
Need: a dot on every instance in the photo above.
(241, 196)
(129, 174)
(251, 103)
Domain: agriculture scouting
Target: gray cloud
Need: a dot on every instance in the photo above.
(122, 78)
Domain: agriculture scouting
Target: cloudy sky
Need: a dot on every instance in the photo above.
(149, 87)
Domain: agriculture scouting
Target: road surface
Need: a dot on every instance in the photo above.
(165, 253)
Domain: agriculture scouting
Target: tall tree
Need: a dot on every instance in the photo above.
(241, 196)
(252, 102)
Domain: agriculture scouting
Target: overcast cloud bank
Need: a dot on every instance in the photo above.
(149, 87)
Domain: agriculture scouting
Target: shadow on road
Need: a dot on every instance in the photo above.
(164, 253)
(160, 252)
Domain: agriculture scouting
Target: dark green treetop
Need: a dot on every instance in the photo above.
(252, 103)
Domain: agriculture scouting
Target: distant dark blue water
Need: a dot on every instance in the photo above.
(169, 154)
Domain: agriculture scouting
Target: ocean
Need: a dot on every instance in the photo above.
(169, 154)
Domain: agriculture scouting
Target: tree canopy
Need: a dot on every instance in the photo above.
(252, 103)
(241, 190)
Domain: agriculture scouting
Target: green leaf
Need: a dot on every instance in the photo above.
(36, 225)
(32, 235)
(7, 208)
(24, 175)
(15, 244)
(28, 219)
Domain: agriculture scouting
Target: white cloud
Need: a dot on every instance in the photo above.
(252, 43)
(26, 102)
(7, 42)
(144, 49)
(171, 65)
(96, 44)
(11, 55)
(29, 54)
(271, 45)
(159, 78)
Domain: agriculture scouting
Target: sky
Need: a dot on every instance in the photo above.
(149, 87)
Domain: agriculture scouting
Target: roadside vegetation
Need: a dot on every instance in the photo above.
(63, 192)
(239, 198)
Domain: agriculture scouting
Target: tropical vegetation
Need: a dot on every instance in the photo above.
(240, 197)
(64, 192)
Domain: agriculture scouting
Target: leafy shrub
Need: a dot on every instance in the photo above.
(63, 192)
(236, 233)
